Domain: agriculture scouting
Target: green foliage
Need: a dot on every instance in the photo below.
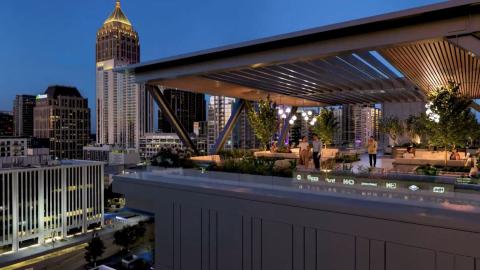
(347, 158)
(94, 250)
(175, 157)
(257, 166)
(325, 126)
(235, 153)
(456, 125)
(427, 170)
(129, 235)
(393, 127)
(417, 125)
(283, 149)
(263, 120)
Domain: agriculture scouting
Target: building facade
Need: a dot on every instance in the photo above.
(62, 115)
(189, 107)
(124, 109)
(219, 111)
(243, 135)
(23, 115)
(359, 122)
(40, 204)
(200, 130)
(151, 143)
(6, 124)
(12, 146)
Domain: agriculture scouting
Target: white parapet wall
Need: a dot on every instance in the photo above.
(234, 221)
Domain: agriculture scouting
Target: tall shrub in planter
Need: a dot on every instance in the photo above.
(393, 127)
(325, 126)
(263, 120)
(450, 119)
(417, 126)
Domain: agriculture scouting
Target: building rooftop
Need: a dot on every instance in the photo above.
(118, 16)
(53, 164)
(58, 90)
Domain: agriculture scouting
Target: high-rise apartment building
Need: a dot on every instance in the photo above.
(219, 111)
(359, 122)
(23, 115)
(6, 124)
(62, 115)
(124, 109)
(243, 134)
(369, 124)
(189, 107)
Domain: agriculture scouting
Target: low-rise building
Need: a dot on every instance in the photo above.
(151, 143)
(111, 155)
(22, 152)
(49, 202)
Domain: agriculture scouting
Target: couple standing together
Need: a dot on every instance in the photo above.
(305, 147)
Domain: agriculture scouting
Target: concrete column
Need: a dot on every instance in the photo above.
(64, 201)
(84, 199)
(15, 211)
(41, 207)
(102, 190)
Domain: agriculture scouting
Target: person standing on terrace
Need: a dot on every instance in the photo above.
(372, 148)
(317, 151)
(304, 152)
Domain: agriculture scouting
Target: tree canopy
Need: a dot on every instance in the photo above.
(263, 120)
(129, 235)
(392, 126)
(94, 250)
(451, 122)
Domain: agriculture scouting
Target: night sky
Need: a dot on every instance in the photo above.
(53, 41)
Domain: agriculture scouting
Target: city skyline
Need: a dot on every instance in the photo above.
(65, 31)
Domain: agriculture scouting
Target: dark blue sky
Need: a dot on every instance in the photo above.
(53, 41)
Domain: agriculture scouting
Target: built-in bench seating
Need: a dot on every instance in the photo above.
(424, 157)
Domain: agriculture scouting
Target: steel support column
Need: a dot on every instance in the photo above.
(285, 127)
(475, 106)
(170, 115)
(238, 107)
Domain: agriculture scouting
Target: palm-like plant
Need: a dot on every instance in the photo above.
(325, 126)
(263, 120)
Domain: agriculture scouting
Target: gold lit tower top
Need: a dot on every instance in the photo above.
(117, 39)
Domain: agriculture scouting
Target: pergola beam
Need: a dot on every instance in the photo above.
(238, 107)
(171, 116)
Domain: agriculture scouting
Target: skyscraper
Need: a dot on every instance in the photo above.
(23, 115)
(189, 107)
(6, 124)
(359, 122)
(62, 115)
(219, 111)
(243, 134)
(124, 109)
